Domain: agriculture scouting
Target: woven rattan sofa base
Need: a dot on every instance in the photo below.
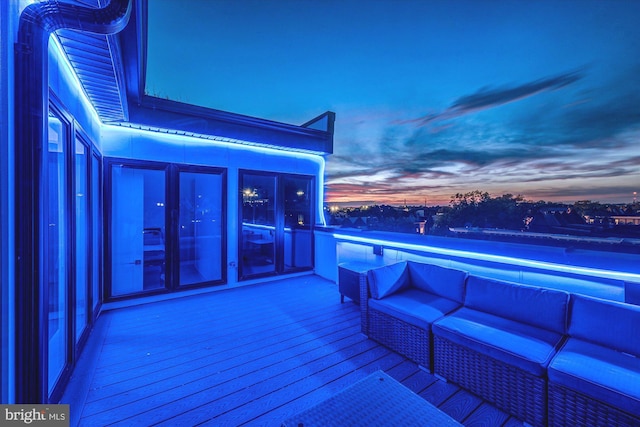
(513, 390)
(570, 408)
(411, 341)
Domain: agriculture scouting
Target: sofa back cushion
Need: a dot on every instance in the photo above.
(611, 324)
(543, 308)
(386, 280)
(441, 281)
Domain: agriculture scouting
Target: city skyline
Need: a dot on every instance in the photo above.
(539, 99)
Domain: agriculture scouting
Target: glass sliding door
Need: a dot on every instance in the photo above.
(167, 227)
(298, 221)
(258, 236)
(200, 228)
(65, 249)
(82, 252)
(277, 223)
(138, 252)
(55, 250)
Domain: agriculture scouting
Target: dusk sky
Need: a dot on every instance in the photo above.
(432, 98)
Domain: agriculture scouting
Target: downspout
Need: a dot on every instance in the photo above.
(37, 22)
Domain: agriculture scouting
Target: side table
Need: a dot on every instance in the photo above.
(349, 275)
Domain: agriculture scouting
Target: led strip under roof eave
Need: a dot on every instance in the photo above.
(206, 137)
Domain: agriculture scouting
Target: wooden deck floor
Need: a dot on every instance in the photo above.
(247, 356)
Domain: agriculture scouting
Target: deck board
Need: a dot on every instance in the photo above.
(438, 392)
(226, 355)
(252, 365)
(486, 415)
(252, 355)
(460, 405)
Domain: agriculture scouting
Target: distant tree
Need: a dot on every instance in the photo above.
(479, 209)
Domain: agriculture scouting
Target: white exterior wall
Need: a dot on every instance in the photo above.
(326, 257)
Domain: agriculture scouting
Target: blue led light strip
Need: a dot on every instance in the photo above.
(494, 258)
(216, 138)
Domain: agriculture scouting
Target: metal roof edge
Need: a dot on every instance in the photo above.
(155, 112)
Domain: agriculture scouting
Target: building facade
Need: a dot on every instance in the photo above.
(108, 194)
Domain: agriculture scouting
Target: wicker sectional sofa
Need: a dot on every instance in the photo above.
(594, 380)
(499, 344)
(401, 302)
(542, 355)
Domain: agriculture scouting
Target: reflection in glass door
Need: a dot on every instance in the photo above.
(137, 230)
(82, 237)
(257, 240)
(55, 250)
(200, 228)
(298, 234)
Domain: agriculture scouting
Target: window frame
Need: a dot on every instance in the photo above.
(279, 249)
(171, 174)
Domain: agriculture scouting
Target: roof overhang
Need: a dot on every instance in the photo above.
(176, 117)
(97, 61)
(112, 72)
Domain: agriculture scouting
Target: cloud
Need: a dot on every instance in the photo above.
(487, 98)
(558, 145)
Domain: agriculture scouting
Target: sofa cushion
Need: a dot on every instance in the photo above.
(415, 307)
(388, 279)
(524, 346)
(608, 323)
(543, 308)
(602, 373)
(442, 281)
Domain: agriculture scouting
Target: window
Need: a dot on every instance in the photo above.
(138, 230)
(82, 252)
(54, 249)
(201, 247)
(276, 229)
(298, 232)
(166, 227)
